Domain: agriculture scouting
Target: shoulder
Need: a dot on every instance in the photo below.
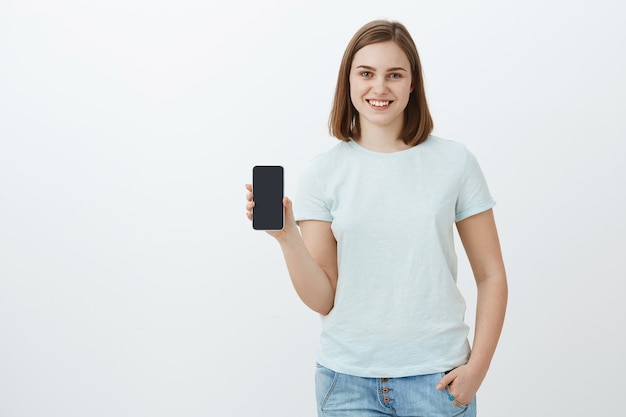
(329, 157)
(334, 152)
(439, 144)
(447, 150)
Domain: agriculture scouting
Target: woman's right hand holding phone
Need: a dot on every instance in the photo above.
(290, 223)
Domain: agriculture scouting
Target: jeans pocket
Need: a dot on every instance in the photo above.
(325, 381)
(454, 410)
(452, 402)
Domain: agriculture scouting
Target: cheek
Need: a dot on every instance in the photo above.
(408, 89)
(355, 92)
(354, 87)
(354, 99)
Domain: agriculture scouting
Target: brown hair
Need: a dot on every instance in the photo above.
(344, 121)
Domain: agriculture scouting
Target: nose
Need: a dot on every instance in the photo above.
(379, 85)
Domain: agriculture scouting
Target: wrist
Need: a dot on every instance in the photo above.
(288, 237)
(478, 367)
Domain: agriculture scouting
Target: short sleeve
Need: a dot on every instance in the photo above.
(310, 202)
(474, 196)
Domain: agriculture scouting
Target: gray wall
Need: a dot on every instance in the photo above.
(131, 283)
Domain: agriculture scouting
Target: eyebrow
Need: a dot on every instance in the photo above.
(367, 67)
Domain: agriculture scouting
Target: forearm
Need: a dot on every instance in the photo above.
(490, 311)
(310, 281)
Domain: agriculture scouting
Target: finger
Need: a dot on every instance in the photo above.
(445, 381)
(250, 205)
(249, 195)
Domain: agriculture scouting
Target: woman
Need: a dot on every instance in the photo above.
(374, 253)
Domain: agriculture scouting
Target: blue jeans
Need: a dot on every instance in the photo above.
(341, 395)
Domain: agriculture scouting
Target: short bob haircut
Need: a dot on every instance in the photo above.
(344, 121)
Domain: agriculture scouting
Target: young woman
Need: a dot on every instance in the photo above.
(371, 247)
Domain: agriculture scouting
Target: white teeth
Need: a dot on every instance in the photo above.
(377, 103)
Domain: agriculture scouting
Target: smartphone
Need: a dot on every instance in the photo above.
(268, 187)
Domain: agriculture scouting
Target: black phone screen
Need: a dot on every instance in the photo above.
(268, 190)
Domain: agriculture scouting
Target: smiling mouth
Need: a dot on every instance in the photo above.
(379, 104)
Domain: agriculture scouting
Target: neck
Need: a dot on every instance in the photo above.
(381, 138)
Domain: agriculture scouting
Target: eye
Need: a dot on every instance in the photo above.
(365, 74)
(395, 75)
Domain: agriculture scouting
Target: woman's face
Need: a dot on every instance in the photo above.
(380, 85)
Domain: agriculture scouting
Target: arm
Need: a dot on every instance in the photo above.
(310, 255)
(311, 259)
(480, 239)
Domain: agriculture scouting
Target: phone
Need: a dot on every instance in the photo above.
(268, 187)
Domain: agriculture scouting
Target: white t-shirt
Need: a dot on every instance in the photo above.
(397, 311)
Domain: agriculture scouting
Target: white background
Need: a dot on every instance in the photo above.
(131, 283)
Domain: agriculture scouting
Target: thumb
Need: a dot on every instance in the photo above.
(288, 204)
